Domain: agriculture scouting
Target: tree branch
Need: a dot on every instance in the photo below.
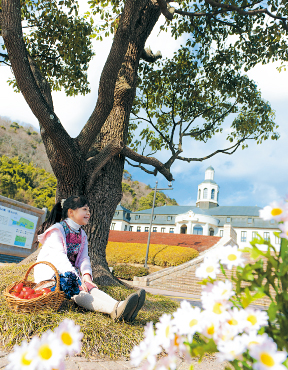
(113, 148)
(109, 76)
(142, 168)
(148, 55)
(166, 10)
(224, 151)
(13, 38)
(239, 10)
(5, 56)
(159, 166)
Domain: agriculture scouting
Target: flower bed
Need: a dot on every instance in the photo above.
(159, 255)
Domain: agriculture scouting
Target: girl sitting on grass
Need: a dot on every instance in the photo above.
(64, 244)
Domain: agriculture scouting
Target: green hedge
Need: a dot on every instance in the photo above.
(128, 272)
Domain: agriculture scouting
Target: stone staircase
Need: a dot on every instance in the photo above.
(182, 278)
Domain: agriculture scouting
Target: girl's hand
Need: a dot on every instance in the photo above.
(87, 279)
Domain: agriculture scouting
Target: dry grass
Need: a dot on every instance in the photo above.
(102, 336)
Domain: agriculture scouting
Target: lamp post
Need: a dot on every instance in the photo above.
(151, 219)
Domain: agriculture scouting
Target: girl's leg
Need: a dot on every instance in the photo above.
(99, 301)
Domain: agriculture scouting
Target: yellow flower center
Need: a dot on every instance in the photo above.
(24, 360)
(232, 257)
(252, 342)
(210, 330)
(218, 308)
(45, 352)
(176, 340)
(193, 322)
(167, 331)
(224, 291)
(276, 211)
(209, 269)
(66, 338)
(232, 322)
(266, 359)
(252, 319)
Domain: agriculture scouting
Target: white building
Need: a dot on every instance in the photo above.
(206, 218)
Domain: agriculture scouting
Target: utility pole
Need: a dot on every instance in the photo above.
(151, 219)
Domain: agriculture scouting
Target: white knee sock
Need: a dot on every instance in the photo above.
(96, 300)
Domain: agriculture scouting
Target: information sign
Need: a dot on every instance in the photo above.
(17, 228)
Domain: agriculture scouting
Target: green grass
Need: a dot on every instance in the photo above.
(102, 336)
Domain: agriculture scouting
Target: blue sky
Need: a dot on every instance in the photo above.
(254, 176)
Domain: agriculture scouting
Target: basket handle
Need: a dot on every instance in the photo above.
(52, 267)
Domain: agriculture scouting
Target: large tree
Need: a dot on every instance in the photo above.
(48, 46)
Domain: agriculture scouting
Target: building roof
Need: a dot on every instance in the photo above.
(121, 208)
(210, 168)
(209, 182)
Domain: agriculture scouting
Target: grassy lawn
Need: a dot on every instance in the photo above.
(102, 336)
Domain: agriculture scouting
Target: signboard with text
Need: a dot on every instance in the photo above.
(17, 228)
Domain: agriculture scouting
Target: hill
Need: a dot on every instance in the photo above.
(22, 155)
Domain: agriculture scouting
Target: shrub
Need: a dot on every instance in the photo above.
(128, 272)
(159, 255)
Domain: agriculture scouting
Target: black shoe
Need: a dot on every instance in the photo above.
(141, 299)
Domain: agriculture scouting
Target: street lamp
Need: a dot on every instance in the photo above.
(151, 219)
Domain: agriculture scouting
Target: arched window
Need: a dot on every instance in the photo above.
(205, 193)
(183, 229)
(199, 194)
(198, 230)
(212, 193)
(211, 231)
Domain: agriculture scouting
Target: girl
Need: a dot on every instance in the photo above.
(64, 244)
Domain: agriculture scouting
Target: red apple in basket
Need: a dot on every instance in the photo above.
(17, 288)
(46, 291)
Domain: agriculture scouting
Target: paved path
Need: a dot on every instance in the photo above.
(80, 363)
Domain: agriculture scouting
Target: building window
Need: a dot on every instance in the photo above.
(205, 193)
(146, 229)
(138, 228)
(162, 229)
(221, 233)
(130, 228)
(116, 213)
(198, 230)
(199, 194)
(112, 226)
(171, 231)
(137, 217)
(243, 236)
(169, 218)
(125, 228)
(277, 240)
(228, 219)
(254, 235)
(272, 222)
(154, 217)
(249, 220)
(212, 193)
(267, 237)
(211, 231)
(154, 229)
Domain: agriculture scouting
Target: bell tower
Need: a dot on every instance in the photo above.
(208, 191)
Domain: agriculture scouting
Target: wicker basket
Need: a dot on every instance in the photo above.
(50, 300)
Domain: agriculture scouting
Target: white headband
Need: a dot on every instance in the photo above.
(62, 202)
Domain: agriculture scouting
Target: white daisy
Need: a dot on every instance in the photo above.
(146, 350)
(254, 319)
(217, 310)
(48, 353)
(284, 228)
(187, 319)
(20, 358)
(252, 339)
(267, 356)
(230, 350)
(165, 330)
(276, 210)
(231, 256)
(236, 320)
(210, 326)
(70, 337)
(209, 268)
(220, 290)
